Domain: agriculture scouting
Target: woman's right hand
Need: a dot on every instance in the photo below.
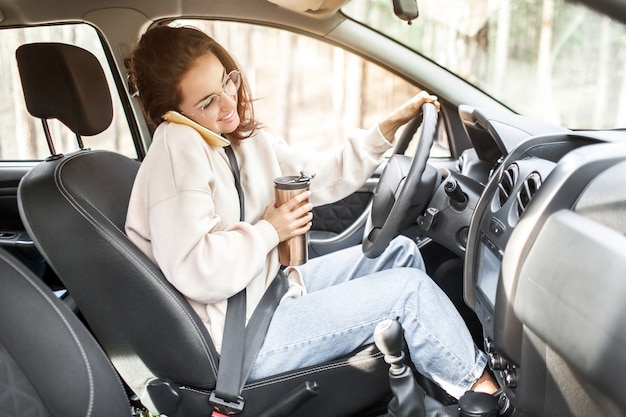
(291, 219)
(411, 108)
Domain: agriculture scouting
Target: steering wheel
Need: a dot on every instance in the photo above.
(398, 190)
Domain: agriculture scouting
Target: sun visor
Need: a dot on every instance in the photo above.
(310, 6)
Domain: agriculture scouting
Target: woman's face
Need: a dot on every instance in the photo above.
(204, 83)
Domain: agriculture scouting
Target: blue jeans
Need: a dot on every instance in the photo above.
(349, 294)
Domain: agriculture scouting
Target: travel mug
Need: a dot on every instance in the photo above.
(293, 251)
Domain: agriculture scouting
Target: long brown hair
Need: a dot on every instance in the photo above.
(164, 54)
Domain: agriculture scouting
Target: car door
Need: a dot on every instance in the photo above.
(12, 235)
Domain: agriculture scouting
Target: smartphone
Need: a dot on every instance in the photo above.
(208, 135)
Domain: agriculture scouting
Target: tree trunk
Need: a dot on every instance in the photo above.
(620, 116)
(544, 99)
(604, 65)
(26, 137)
(285, 84)
(501, 45)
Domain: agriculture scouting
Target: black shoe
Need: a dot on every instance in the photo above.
(478, 404)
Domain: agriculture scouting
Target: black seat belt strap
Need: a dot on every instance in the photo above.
(232, 354)
(235, 167)
(227, 391)
(260, 321)
(241, 344)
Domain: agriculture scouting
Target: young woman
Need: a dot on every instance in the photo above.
(184, 214)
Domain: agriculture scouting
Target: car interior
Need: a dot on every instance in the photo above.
(87, 192)
(522, 225)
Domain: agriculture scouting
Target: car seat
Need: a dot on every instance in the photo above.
(74, 207)
(49, 363)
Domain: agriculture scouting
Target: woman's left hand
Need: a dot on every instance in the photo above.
(405, 113)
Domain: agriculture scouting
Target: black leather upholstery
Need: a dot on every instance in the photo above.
(74, 208)
(71, 93)
(337, 217)
(49, 363)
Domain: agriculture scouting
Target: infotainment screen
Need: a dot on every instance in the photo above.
(488, 270)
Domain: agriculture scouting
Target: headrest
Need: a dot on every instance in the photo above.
(67, 83)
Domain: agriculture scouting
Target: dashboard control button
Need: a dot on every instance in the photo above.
(510, 377)
(496, 227)
(428, 220)
(497, 362)
(492, 246)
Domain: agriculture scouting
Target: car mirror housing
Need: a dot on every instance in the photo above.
(406, 10)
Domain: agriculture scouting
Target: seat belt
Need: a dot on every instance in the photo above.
(241, 344)
(235, 167)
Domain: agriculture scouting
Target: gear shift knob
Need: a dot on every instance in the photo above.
(388, 337)
(389, 340)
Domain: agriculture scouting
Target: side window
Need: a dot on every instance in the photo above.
(307, 91)
(21, 135)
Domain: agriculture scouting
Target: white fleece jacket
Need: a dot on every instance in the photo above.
(184, 210)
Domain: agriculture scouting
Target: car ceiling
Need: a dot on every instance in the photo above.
(41, 11)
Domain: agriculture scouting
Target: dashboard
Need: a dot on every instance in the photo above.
(545, 260)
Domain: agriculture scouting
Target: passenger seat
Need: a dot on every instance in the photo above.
(50, 365)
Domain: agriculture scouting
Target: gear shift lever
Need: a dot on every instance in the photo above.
(409, 399)
(408, 396)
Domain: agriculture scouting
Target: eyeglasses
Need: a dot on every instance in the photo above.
(231, 85)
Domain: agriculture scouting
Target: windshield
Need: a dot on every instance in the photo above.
(554, 60)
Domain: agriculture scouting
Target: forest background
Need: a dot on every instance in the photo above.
(549, 59)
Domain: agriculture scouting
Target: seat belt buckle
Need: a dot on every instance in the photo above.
(224, 407)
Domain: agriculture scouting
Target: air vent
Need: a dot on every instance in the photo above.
(507, 182)
(527, 191)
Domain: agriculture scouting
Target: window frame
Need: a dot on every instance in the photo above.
(122, 106)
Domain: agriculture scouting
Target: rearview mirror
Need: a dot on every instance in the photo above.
(406, 9)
